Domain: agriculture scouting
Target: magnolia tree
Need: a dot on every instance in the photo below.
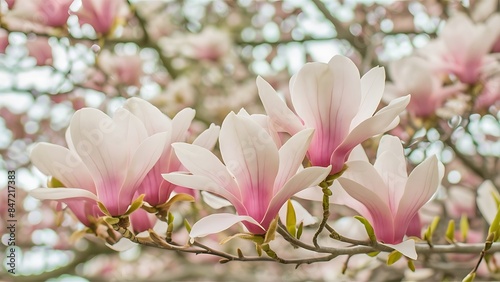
(261, 137)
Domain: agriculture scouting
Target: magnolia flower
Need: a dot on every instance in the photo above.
(209, 45)
(106, 159)
(332, 99)
(125, 69)
(157, 191)
(467, 59)
(40, 49)
(257, 178)
(488, 200)
(4, 40)
(101, 15)
(141, 220)
(413, 75)
(54, 13)
(385, 195)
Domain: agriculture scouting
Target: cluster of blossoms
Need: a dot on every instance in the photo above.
(140, 158)
(441, 75)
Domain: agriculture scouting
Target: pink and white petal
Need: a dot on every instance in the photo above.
(61, 194)
(214, 201)
(393, 174)
(105, 145)
(63, 164)
(372, 89)
(306, 178)
(208, 138)
(129, 126)
(407, 248)
(122, 245)
(181, 123)
(291, 156)
(143, 160)
(154, 120)
(67, 136)
(415, 227)
(200, 161)
(358, 154)
(341, 197)
(486, 201)
(203, 183)
(281, 116)
(265, 122)
(391, 166)
(251, 155)
(216, 223)
(421, 185)
(327, 97)
(311, 194)
(366, 129)
(382, 219)
(366, 175)
(301, 214)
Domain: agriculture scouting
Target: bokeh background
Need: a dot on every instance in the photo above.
(207, 55)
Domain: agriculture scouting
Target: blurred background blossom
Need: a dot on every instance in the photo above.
(58, 56)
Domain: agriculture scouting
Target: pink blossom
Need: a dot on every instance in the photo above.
(140, 220)
(4, 40)
(10, 3)
(490, 95)
(332, 99)
(467, 59)
(257, 178)
(385, 195)
(125, 69)
(210, 45)
(413, 75)
(101, 15)
(54, 13)
(106, 159)
(40, 49)
(156, 189)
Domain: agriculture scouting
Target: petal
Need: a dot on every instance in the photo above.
(203, 183)
(407, 248)
(341, 197)
(142, 162)
(301, 214)
(181, 123)
(61, 193)
(122, 245)
(208, 138)
(291, 156)
(202, 162)
(106, 145)
(366, 129)
(213, 201)
(421, 185)
(282, 117)
(366, 175)
(251, 155)
(216, 223)
(486, 201)
(154, 120)
(372, 89)
(358, 154)
(311, 194)
(306, 178)
(327, 97)
(266, 123)
(64, 165)
(382, 218)
(391, 166)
